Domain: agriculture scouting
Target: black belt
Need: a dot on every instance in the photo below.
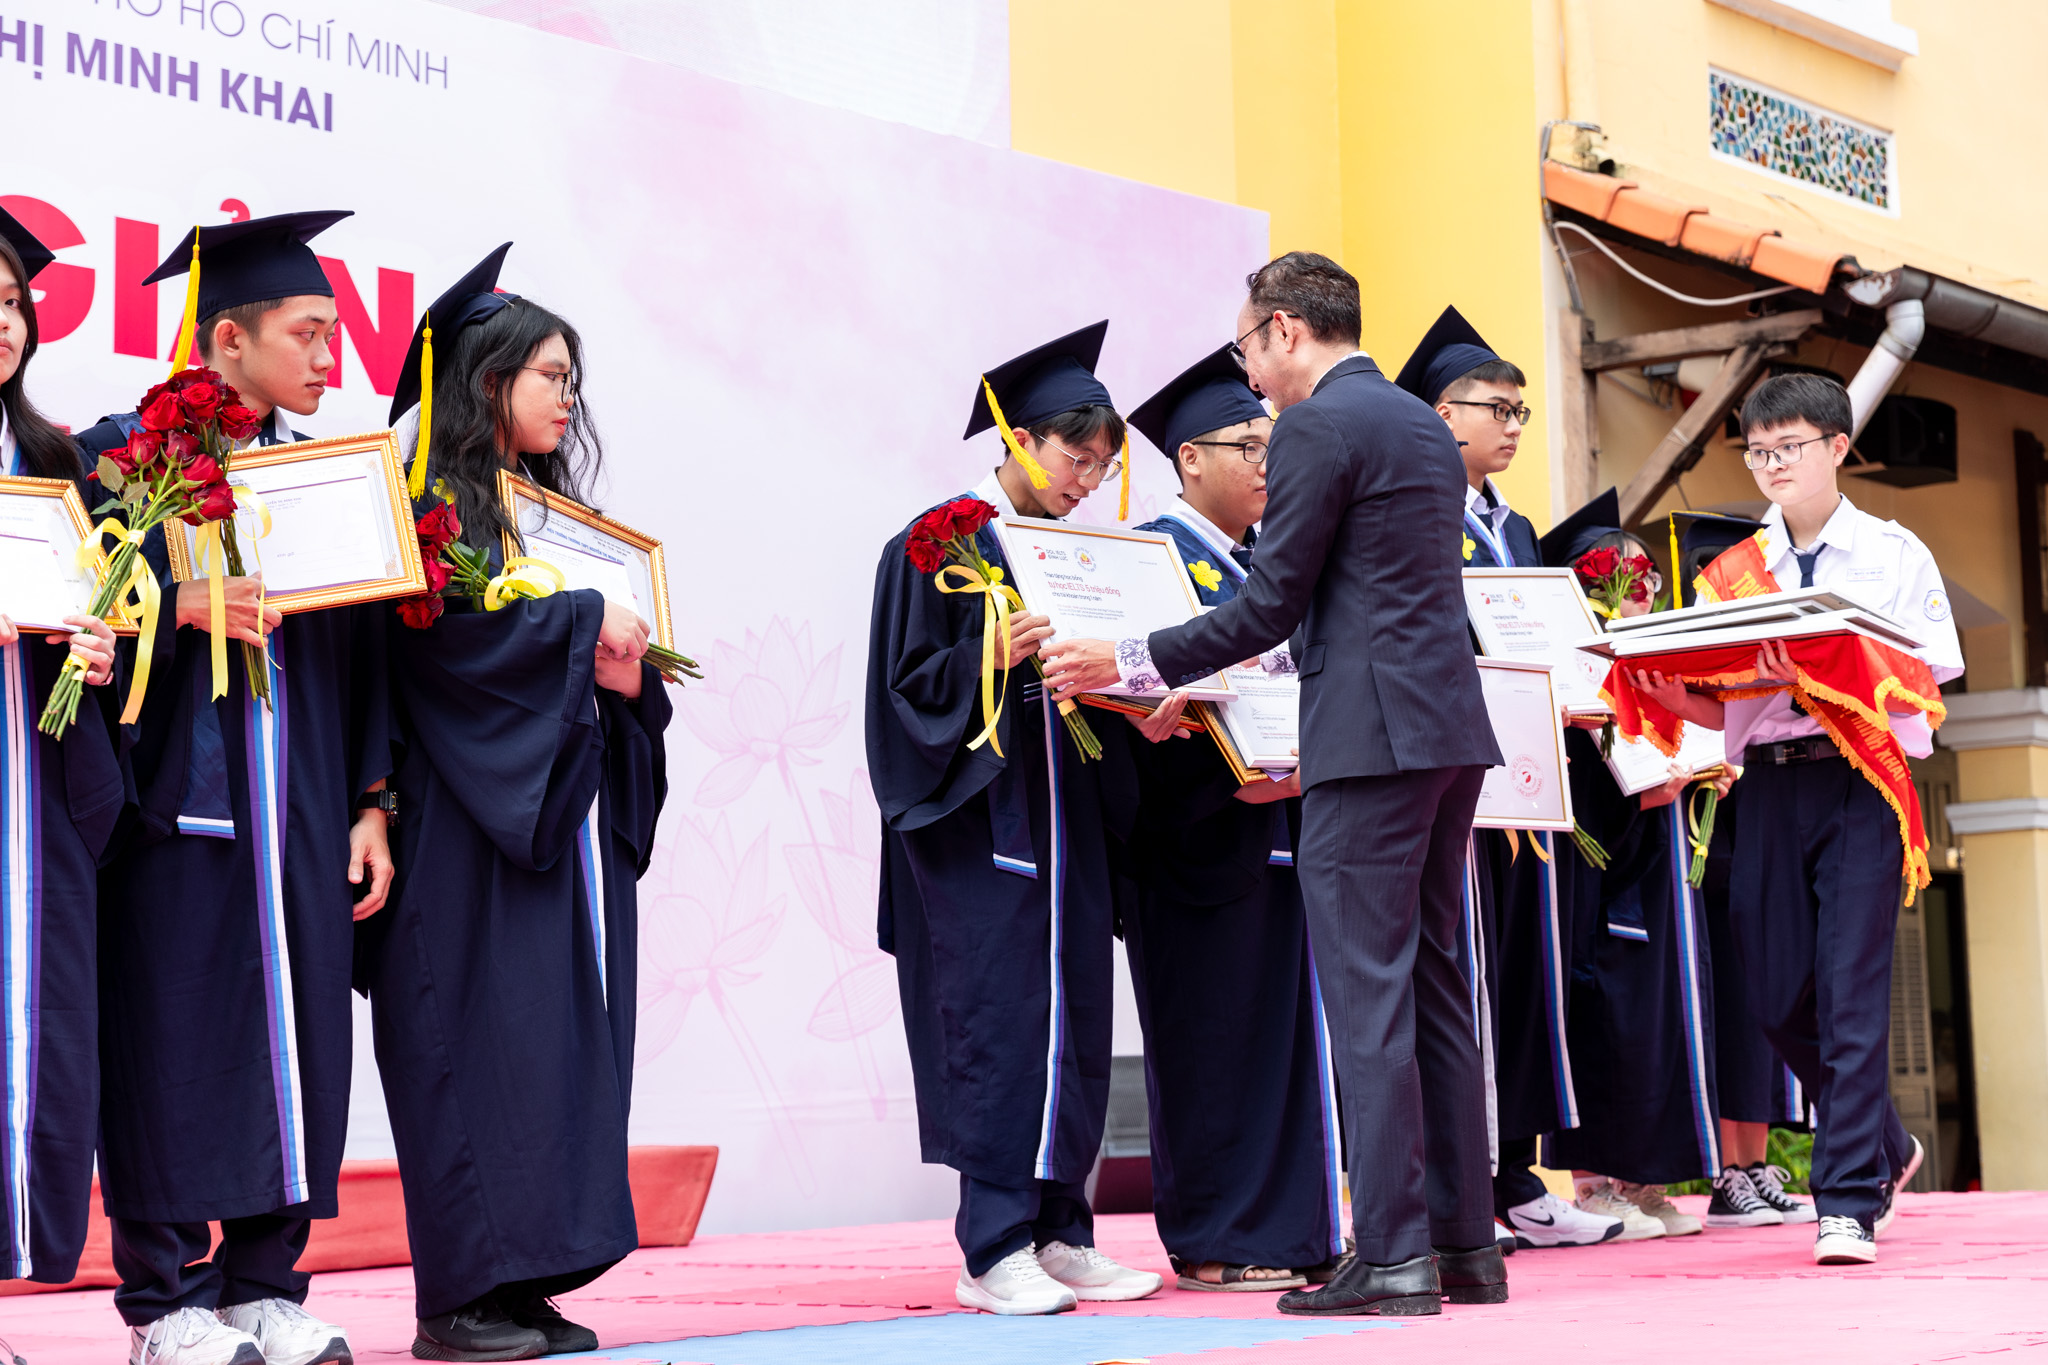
(1811, 749)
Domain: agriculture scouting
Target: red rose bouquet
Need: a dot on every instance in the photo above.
(457, 569)
(1610, 579)
(174, 465)
(942, 544)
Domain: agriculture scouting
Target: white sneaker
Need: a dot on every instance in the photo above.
(1016, 1286)
(1547, 1221)
(1843, 1241)
(191, 1336)
(1769, 1183)
(1601, 1197)
(1093, 1276)
(1652, 1201)
(287, 1334)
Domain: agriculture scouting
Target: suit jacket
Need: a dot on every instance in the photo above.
(1361, 547)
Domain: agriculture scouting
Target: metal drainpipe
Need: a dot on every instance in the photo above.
(1905, 323)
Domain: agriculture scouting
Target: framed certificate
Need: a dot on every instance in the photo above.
(1103, 583)
(1638, 766)
(1766, 617)
(591, 550)
(1529, 791)
(1260, 726)
(1539, 616)
(1642, 644)
(341, 526)
(42, 524)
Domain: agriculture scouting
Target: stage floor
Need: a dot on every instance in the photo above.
(1960, 1276)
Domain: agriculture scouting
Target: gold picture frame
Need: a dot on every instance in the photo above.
(329, 464)
(579, 549)
(65, 493)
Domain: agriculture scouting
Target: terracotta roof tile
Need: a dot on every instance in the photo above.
(1625, 205)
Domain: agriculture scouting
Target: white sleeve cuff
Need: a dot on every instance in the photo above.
(1134, 666)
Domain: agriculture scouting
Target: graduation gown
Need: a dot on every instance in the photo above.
(225, 921)
(995, 892)
(502, 978)
(1244, 1121)
(1642, 1007)
(58, 804)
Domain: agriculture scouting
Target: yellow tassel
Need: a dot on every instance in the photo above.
(1677, 589)
(1123, 497)
(416, 484)
(1032, 468)
(182, 355)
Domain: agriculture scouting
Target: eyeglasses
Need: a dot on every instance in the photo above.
(1237, 346)
(1501, 410)
(1254, 452)
(1086, 468)
(566, 387)
(1787, 455)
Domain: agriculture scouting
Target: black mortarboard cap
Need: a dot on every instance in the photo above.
(1576, 534)
(34, 255)
(1451, 348)
(467, 302)
(263, 258)
(1055, 378)
(1207, 396)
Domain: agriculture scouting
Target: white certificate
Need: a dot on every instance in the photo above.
(1263, 716)
(42, 523)
(341, 527)
(1103, 584)
(1539, 616)
(1637, 764)
(1529, 791)
(591, 550)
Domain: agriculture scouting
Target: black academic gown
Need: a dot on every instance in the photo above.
(1749, 1076)
(58, 804)
(1246, 1165)
(994, 898)
(502, 979)
(225, 919)
(1642, 1007)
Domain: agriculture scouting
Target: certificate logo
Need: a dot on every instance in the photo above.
(1527, 775)
(1084, 559)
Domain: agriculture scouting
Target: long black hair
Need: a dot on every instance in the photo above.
(473, 426)
(46, 452)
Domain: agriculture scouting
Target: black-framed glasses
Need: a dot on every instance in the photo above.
(1087, 467)
(1254, 452)
(1787, 455)
(1501, 409)
(566, 387)
(1237, 346)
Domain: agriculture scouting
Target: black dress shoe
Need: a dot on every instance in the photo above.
(1406, 1290)
(539, 1313)
(1476, 1276)
(1326, 1271)
(477, 1331)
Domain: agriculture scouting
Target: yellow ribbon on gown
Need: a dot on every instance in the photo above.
(139, 597)
(523, 578)
(996, 600)
(211, 555)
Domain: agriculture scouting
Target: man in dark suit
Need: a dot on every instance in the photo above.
(1360, 549)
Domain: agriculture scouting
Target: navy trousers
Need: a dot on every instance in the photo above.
(1382, 865)
(1814, 901)
(163, 1266)
(995, 1220)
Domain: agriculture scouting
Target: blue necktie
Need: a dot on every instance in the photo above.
(1806, 565)
(1243, 555)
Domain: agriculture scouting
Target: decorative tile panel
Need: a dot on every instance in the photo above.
(1773, 132)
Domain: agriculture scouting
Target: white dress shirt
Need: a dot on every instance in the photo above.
(990, 490)
(1486, 505)
(1881, 565)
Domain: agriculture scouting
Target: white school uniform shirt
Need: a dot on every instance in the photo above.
(1487, 505)
(1881, 565)
(990, 490)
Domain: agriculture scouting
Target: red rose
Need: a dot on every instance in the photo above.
(970, 514)
(204, 469)
(201, 401)
(439, 527)
(926, 554)
(193, 376)
(420, 612)
(237, 421)
(180, 447)
(144, 449)
(1596, 566)
(123, 458)
(162, 413)
(216, 501)
(438, 572)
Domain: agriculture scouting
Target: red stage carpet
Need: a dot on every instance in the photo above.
(1960, 1276)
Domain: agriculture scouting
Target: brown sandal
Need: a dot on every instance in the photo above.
(1235, 1279)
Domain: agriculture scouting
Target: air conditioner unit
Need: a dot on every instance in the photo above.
(1908, 441)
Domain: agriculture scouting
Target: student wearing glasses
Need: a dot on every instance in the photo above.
(1246, 1172)
(1815, 885)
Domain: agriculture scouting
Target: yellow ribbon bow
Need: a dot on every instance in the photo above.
(523, 578)
(210, 555)
(139, 597)
(997, 597)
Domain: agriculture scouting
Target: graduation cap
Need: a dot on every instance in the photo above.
(1577, 533)
(1449, 350)
(1207, 396)
(263, 258)
(469, 301)
(34, 255)
(1705, 536)
(1045, 382)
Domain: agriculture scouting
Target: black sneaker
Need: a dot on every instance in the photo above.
(1844, 1241)
(1736, 1203)
(1769, 1184)
(477, 1331)
(540, 1313)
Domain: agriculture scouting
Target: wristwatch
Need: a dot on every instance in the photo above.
(386, 801)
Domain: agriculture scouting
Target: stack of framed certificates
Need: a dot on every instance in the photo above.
(42, 524)
(1749, 620)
